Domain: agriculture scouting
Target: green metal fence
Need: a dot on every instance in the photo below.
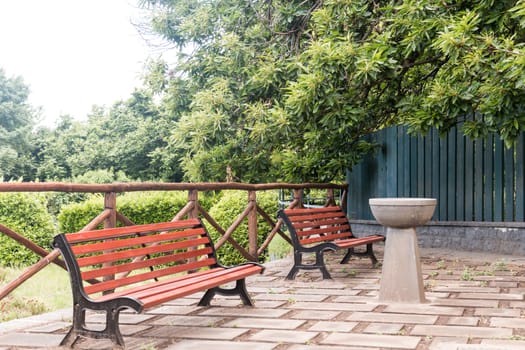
(473, 180)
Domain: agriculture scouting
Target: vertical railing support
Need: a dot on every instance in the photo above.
(298, 198)
(193, 198)
(252, 224)
(110, 203)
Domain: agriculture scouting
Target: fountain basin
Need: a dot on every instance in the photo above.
(402, 212)
(401, 278)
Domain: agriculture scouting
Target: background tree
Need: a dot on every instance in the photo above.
(17, 119)
(128, 138)
(287, 89)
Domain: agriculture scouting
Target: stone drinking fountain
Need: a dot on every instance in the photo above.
(401, 279)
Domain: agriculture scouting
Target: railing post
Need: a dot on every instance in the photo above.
(193, 198)
(110, 202)
(252, 224)
(330, 200)
(298, 196)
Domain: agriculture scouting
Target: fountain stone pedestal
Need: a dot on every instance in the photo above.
(401, 278)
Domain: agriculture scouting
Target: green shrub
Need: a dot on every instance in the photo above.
(57, 200)
(139, 207)
(73, 217)
(26, 214)
(227, 209)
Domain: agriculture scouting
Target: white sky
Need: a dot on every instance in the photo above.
(73, 54)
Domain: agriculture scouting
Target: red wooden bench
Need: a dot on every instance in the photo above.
(141, 266)
(316, 230)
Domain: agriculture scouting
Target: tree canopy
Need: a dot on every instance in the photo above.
(285, 90)
(17, 119)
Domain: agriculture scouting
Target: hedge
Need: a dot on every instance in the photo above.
(26, 214)
(139, 207)
(231, 204)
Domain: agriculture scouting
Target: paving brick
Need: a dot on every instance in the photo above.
(373, 340)
(494, 296)
(205, 321)
(333, 306)
(30, 340)
(505, 344)
(327, 291)
(504, 284)
(219, 333)
(442, 343)
(424, 309)
(373, 285)
(463, 321)
(507, 322)
(466, 302)
(282, 336)
(132, 329)
(458, 331)
(269, 304)
(328, 347)
(172, 309)
(497, 312)
(49, 327)
(219, 345)
(356, 299)
(268, 323)
(390, 317)
(131, 344)
(252, 312)
(459, 289)
(292, 297)
(383, 328)
(316, 315)
(333, 326)
(517, 304)
(125, 318)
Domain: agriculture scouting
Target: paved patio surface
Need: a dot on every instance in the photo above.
(476, 302)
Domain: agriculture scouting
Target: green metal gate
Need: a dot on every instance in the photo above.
(473, 180)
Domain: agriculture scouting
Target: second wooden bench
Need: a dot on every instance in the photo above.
(316, 230)
(142, 266)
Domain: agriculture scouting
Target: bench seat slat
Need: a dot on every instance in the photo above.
(354, 242)
(180, 292)
(220, 274)
(172, 280)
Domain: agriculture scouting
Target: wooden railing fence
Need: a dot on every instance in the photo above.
(110, 216)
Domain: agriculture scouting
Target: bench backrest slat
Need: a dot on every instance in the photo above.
(124, 257)
(316, 225)
(133, 252)
(134, 279)
(143, 263)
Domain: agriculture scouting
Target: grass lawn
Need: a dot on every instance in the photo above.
(48, 290)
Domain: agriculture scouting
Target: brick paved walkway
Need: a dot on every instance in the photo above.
(476, 302)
